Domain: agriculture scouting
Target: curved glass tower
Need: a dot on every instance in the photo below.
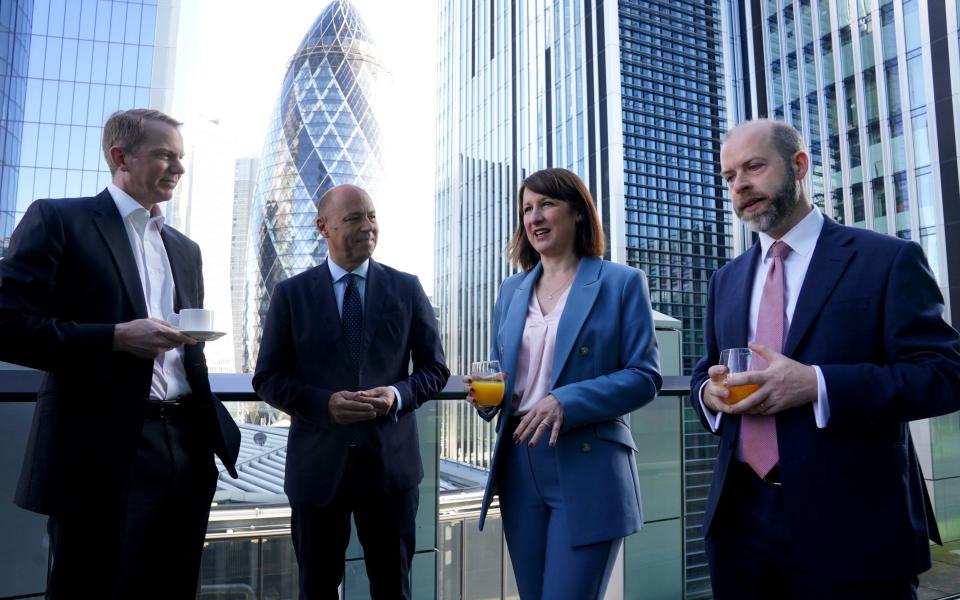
(324, 132)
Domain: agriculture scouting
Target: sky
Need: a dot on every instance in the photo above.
(232, 57)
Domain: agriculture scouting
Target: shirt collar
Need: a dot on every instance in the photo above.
(802, 238)
(337, 272)
(127, 206)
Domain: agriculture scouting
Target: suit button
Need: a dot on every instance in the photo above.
(585, 447)
(584, 351)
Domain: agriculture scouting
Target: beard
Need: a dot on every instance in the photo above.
(782, 204)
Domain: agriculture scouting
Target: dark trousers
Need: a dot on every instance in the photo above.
(386, 527)
(146, 544)
(750, 553)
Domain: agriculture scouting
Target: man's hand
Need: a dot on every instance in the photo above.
(715, 393)
(380, 398)
(148, 338)
(348, 407)
(784, 384)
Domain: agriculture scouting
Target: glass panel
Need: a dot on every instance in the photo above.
(870, 95)
(794, 76)
(850, 101)
(879, 206)
(451, 564)
(846, 52)
(482, 559)
(901, 205)
(897, 148)
(915, 81)
(866, 42)
(88, 18)
(928, 211)
(230, 567)
(853, 143)
(856, 201)
(837, 202)
(889, 31)
(278, 568)
(843, 12)
(928, 240)
(893, 86)
(823, 11)
(911, 24)
(921, 142)
(826, 51)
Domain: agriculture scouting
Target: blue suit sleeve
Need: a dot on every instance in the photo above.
(430, 372)
(636, 382)
(920, 377)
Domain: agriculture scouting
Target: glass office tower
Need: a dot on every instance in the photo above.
(630, 96)
(67, 66)
(872, 85)
(324, 132)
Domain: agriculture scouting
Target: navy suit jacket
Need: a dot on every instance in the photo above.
(869, 314)
(304, 360)
(68, 277)
(605, 365)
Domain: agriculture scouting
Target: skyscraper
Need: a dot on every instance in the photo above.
(324, 132)
(66, 67)
(244, 185)
(630, 96)
(872, 86)
(16, 19)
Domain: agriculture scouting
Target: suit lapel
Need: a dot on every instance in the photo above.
(329, 323)
(583, 293)
(374, 295)
(511, 329)
(733, 310)
(830, 258)
(110, 225)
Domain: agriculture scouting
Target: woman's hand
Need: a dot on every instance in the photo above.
(471, 394)
(546, 415)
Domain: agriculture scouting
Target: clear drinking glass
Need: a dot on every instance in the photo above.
(738, 360)
(487, 382)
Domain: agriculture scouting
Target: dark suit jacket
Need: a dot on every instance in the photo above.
(869, 315)
(69, 276)
(303, 360)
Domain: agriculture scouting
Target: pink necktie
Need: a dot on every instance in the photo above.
(758, 433)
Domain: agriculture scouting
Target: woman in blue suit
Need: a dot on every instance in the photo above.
(574, 334)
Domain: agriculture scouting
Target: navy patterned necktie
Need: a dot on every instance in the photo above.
(352, 317)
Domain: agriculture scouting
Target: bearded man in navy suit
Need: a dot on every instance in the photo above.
(337, 346)
(817, 491)
(120, 454)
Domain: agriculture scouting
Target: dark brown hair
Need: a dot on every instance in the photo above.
(559, 184)
(127, 129)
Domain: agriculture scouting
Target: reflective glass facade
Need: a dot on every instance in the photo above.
(15, 25)
(244, 185)
(73, 63)
(324, 132)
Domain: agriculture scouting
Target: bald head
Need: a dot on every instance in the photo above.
(347, 219)
(763, 163)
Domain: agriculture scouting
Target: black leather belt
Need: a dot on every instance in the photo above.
(176, 409)
(774, 477)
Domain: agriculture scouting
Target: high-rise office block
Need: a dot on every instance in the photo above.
(324, 132)
(244, 185)
(630, 96)
(872, 84)
(66, 66)
(16, 17)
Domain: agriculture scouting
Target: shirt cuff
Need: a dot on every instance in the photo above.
(395, 409)
(821, 407)
(713, 419)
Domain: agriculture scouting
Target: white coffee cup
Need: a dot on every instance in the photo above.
(193, 319)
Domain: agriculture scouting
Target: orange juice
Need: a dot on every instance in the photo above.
(488, 393)
(739, 392)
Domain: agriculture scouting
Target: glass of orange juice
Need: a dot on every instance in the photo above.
(738, 360)
(487, 383)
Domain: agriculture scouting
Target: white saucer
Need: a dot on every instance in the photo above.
(204, 336)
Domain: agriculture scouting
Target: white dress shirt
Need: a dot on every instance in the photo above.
(802, 239)
(339, 276)
(156, 279)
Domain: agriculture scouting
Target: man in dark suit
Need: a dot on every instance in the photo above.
(817, 491)
(336, 351)
(121, 451)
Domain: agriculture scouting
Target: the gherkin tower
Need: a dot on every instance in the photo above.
(324, 132)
